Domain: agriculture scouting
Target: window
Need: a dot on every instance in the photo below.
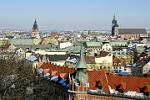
(100, 67)
(114, 67)
(120, 67)
(114, 53)
(108, 68)
(115, 64)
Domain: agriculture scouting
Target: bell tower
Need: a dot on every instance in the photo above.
(114, 26)
(35, 30)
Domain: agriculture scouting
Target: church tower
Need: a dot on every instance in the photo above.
(35, 30)
(114, 26)
(82, 75)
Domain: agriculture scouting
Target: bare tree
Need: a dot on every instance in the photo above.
(17, 81)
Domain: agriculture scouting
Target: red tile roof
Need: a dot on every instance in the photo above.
(57, 70)
(63, 75)
(126, 83)
(95, 76)
(101, 78)
(53, 73)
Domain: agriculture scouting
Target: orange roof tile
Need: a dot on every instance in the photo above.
(53, 73)
(127, 83)
(63, 75)
(57, 70)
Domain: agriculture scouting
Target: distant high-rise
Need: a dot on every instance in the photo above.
(35, 30)
(114, 26)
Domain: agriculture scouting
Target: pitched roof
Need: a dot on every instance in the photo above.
(90, 59)
(33, 47)
(56, 57)
(132, 31)
(21, 41)
(126, 83)
(57, 70)
(93, 44)
(103, 54)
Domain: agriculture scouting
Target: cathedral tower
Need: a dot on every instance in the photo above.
(114, 26)
(35, 30)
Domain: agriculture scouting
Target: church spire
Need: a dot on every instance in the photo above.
(82, 63)
(35, 21)
(114, 17)
(114, 20)
(82, 74)
(35, 26)
(35, 30)
(114, 25)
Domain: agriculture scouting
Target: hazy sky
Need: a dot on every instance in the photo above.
(73, 14)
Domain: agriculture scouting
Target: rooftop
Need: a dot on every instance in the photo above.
(132, 31)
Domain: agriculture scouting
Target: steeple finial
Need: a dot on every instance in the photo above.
(114, 17)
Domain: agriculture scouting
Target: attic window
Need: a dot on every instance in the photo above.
(115, 63)
(27, 48)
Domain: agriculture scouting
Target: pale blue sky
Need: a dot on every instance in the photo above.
(74, 14)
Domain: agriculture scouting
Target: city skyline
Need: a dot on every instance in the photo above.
(73, 15)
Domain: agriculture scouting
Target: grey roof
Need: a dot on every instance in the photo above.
(132, 31)
(55, 57)
(21, 41)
